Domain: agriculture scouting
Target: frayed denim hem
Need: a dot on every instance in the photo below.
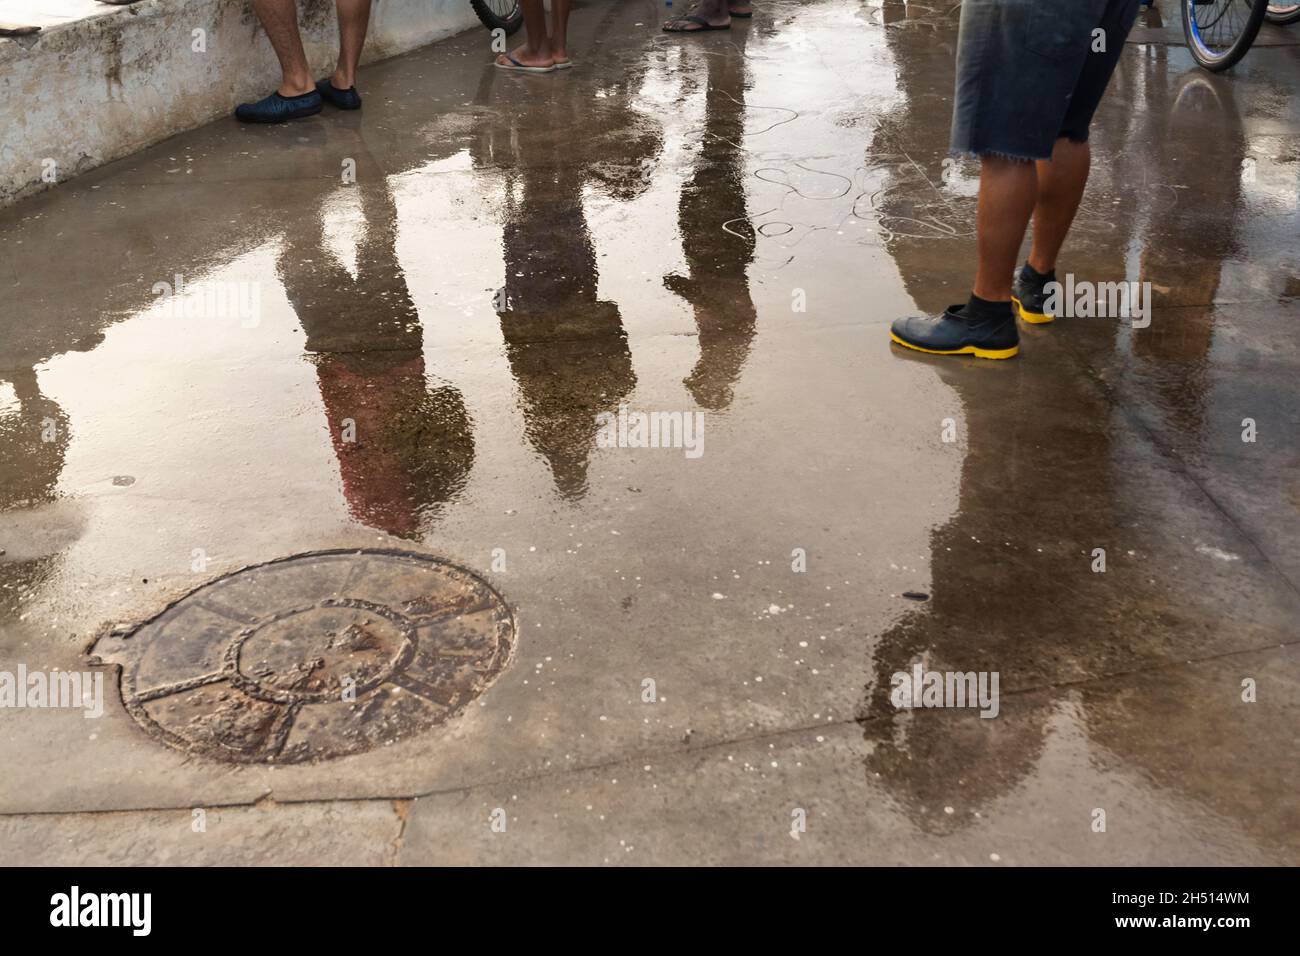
(995, 153)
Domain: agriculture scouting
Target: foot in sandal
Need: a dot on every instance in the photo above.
(705, 15)
(526, 60)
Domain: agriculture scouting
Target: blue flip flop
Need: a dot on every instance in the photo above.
(520, 68)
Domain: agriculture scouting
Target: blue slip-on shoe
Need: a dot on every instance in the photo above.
(348, 99)
(954, 334)
(279, 109)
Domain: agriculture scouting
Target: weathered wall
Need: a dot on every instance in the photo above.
(84, 93)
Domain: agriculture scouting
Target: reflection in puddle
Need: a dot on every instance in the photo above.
(717, 226)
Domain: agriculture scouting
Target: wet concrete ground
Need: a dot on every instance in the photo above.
(519, 254)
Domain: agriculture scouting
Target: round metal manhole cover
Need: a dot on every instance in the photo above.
(313, 656)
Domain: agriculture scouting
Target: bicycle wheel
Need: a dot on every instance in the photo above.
(499, 14)
(1219, 32)
(1282, 13)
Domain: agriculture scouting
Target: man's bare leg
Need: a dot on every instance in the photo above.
(354, 19)
(280, 20)
(1008, 192)
(560, 29)
(1061, 182)
(985, 326)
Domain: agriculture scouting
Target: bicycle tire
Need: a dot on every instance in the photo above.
(509, 22)
(1217, 62)
(1282, 13)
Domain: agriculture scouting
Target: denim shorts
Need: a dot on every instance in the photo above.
(1028, 73)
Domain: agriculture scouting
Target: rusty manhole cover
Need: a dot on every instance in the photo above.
(313, 656)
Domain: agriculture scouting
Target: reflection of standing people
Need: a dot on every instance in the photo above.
(1030, 76)
(566, 346)
(33, 443)
(717, 285)
(1075, 622)
(929, 759)
(404, 447)
(1183, 256)
(34, 438)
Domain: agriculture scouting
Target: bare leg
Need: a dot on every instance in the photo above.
(280, 20)
(560, 29)
(1061, 182)
(354, 18)
(537, 50)
(1008, 191)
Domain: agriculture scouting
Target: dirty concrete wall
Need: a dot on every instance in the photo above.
(85, 93)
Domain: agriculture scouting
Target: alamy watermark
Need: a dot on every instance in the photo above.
(72, 690)
(627, 429)
(211, 299)
(1101, 300)
(75, 908)
(922, 688)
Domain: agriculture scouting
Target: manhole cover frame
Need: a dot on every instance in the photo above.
(505, 632)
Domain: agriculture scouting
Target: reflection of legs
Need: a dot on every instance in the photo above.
(33, 442)
(414, 443)
(280, 20)
(718, 284)
(1061, 182)
(1008, 190)
(354, 18)
(567, 349)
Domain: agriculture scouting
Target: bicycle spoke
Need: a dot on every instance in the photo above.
(1219, 25)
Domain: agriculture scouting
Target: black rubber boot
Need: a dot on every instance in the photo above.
(1027, 292)
(954, 334)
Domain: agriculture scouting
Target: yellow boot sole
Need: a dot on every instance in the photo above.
(1033, 318)
(964, 350)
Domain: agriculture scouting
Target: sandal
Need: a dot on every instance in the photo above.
(516, 67)
(692, 18)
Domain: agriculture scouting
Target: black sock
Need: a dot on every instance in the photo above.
(1030, 274)
(982, 310)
